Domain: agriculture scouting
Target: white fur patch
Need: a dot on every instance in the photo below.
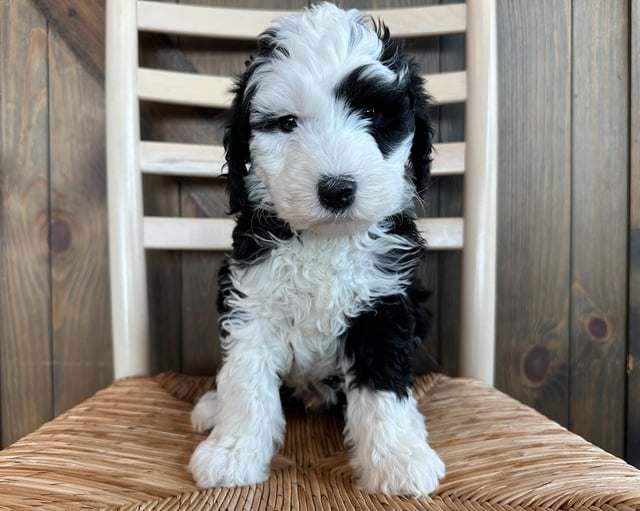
(389, 445)
(203, 415)
(303, 296)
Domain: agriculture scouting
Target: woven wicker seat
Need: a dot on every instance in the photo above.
(128, 446)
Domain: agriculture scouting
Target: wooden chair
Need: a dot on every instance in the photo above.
(128, 446)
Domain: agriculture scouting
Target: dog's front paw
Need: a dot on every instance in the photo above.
(415, 473)
(203, 415)
(225, 462)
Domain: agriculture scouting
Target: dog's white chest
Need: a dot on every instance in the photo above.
(304, 295)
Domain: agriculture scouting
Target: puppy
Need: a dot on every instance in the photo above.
(328, 146)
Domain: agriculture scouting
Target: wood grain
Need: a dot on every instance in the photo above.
(599, 222)
(162, 197)
(81, 317)
(81, 24)
(450, 129)
(169, 317)
(164, 284)
(633, 357)
(25, 350)
(534, 87)
(194, 20)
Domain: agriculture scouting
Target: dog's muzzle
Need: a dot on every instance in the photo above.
(336, 193)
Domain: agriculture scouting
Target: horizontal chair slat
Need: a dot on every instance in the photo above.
(220, 22)
(424, 21)
(247, 24)
(196, 160)
(442, 233)
(448, 159)
(178, 233)
(184, 88)
(173, 233)
(189, 160)
(447, 88)
(213, 91)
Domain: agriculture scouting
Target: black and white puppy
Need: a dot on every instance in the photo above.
(328, 145)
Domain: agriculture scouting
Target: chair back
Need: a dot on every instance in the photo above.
(129, 157)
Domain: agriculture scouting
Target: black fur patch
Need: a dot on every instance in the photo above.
(256, 233)
(238, 132)
(381, 342)
(394, 58)
(386, 106)
(402, 224)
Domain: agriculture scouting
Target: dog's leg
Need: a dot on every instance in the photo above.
(248, 417)
(384, 428)
(203, 415)
(389, 441)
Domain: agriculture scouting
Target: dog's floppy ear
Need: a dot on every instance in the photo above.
(421, 148)
(238, 133)
(236, 145)
(394, 58)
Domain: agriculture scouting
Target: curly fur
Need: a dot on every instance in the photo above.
(328, 146)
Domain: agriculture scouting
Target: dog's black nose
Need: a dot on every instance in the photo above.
(336, 193)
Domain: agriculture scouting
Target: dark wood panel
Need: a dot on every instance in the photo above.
(81, 24)
(201, 353)
(163, 280)
(534, 87)
(599, 222)
(25, 350)
(450, 129)
(81, 318)
(162, 198)
(633, 357)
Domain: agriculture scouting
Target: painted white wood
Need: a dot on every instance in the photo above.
(173, 233)
(480, 195)
(196, 160)
(442, 233)
(180, 233)
(221, 22)
(213, 91)
(447, 88)
(173, 159)
(184, 88)
(126, 252)
(424, 21)
(247, 24)
(448, 159)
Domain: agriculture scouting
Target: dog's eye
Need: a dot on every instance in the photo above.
(369, 113)
(373, 115)
(288, 123)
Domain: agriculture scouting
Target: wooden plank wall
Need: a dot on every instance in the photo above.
(569, 256)
(534, 213)
(563, 222)
(599, 194)
(633, 357)
(25, 279)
